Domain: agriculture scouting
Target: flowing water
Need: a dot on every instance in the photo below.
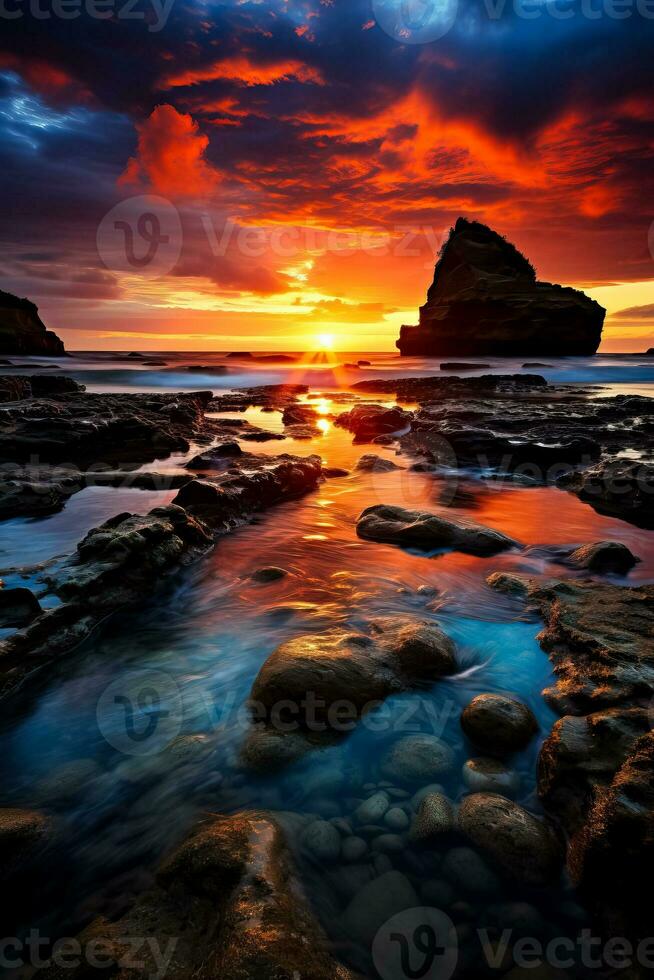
(202, 639)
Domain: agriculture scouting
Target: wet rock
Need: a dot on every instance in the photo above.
(614, 857)
(431, 387)
(22, 832)
(490, 776)
(427, 531)
(376, 464)
(618, 487)
(604, 556)
(18, 607)
(265, 750)
(373, 809)
(524, 919)
(341, 673)
(416, 758)
(234, 871)
(271, 573)
(516, 842)
(76, 427)
(581, 756)
(368, 421)
(332, 472)
(321, 840)
(424, 791)
(498, 724)
(396, 819)
(300, 415)
(14, 389)
(598, 637)
(467, 871)
(377, 902)
(462, 366)
(485, 299)
(215, 458)
(436, 816)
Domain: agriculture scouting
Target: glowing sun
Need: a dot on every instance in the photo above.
(325, 341)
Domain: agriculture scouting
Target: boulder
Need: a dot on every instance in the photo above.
(604, 556)
(225, 903)
(18, 607)
(309, 677)
(621, 488)
(22, 330)
(368, 421)
(370, 463)
(498, 724)
(485, 300)
(516, 842)
(469, 873)
(428, 531)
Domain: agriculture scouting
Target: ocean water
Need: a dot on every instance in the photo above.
(204, 636)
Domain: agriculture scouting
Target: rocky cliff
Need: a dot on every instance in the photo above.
(485, 300)
(23, 332)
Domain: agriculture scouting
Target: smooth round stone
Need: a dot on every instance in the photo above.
(354, 848)
(469, 873)
(371, 829)
(519, 844)
(483, 775)
(397, 794)
(396, 819)
(437, 893)
(418, 797)
(417, 758)
(436, 816)
(498, 724)
(342, 825)
(322, 840)
(388, 843)
(373, 809)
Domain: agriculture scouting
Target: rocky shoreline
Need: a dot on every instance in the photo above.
(230, 890)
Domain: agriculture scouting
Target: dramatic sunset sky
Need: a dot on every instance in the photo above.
(316, 162)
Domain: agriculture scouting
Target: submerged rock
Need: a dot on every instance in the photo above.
(498, 724)
(271, 573)
(375, 903)
(23, 332)
(428, 531)
(22, 832)
(417, 759)
(485, 299)
(490, 776)
(516, 842)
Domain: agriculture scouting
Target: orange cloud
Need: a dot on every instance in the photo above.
(170, 156)
(242, 70)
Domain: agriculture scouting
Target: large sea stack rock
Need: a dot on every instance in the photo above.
(22, 330)
(486, 300)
